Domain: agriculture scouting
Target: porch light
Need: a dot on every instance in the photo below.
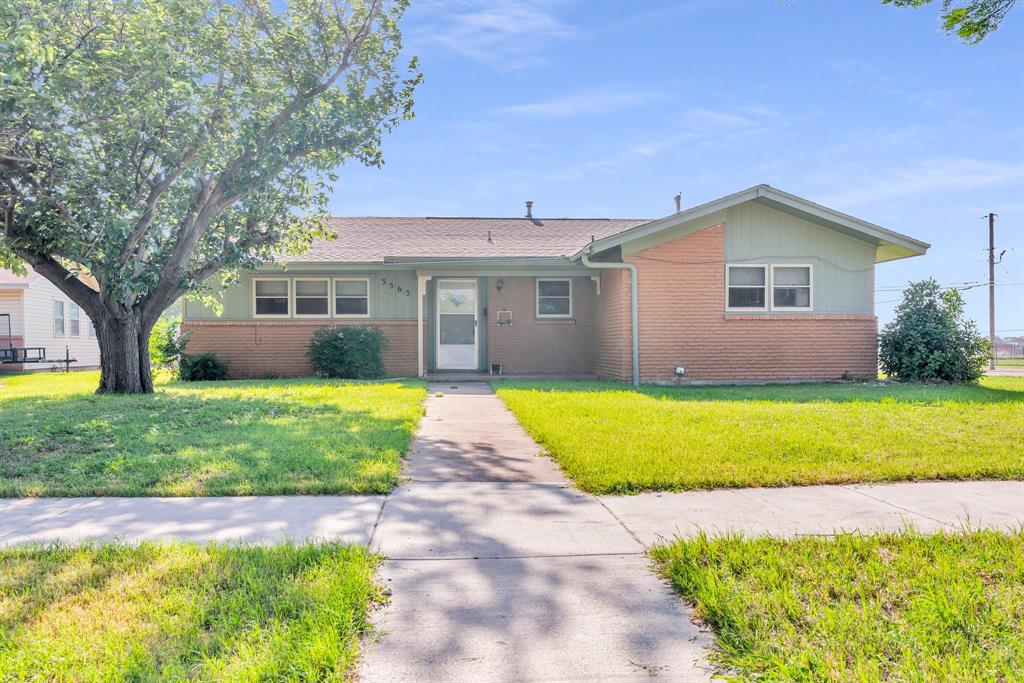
(499, 284)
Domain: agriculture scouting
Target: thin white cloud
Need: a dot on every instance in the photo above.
(587, 102)
(921, 178)
(503, 35)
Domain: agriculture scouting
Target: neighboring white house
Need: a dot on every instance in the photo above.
(41, 316)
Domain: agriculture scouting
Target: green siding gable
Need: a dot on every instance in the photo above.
(844, 267)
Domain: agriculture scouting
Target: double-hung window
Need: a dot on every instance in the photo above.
(352, 297)
(747, 287)
(554, 298)
(271, 297)
(791, 288)
(74, 328)
(58, 318)
(312, 298)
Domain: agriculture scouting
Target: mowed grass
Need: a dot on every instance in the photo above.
(183, 612)
(611, 438)
(203, 439)
(901, 607)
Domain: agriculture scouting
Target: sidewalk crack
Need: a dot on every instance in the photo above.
(900, 507)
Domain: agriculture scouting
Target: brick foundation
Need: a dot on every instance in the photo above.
(256, 348)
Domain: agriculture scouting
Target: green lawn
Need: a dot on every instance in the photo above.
(183, 612)
(1010, 362)
(900, 607)
(205, 438)
(612, 438)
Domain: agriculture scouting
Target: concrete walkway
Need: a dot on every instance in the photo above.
(501, 571)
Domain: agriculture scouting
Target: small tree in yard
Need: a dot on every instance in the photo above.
(155, 143)
(929, 340)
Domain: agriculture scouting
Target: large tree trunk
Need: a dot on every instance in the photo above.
(124, 355)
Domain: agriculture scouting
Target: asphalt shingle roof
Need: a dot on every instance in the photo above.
(373, 239)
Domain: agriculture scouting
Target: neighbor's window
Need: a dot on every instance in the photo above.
(352, 297)
(271, 297)
(791, 287)
(73, 317)
(58, 318)
(747, 287)
(312, 297)
(554, 298)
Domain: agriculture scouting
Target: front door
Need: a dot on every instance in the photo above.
(456, 325)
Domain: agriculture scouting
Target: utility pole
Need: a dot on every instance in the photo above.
(992, 288)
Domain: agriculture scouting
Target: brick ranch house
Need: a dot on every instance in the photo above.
(757, 285)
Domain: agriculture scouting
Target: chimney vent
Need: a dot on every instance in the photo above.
(679, 201)
(529, 209)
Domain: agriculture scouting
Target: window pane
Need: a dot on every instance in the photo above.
(350, 288)
(350, 306)
(58, 317)
(458, 329)
(271, 288)
(746, 297)
(792, 297)
(272, 306)
(457, 300)
(310, 306)
(788, 277)
(557, 306)
(311, 288)
(746, 275)
(552, 288)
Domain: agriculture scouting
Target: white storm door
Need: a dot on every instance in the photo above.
(456, 325)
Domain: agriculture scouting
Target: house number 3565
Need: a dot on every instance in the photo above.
(384, 282)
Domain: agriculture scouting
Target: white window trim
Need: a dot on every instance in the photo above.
(810, 279)
(536, 298)
(334, 298)
(767, 288)
(63, 318)
(291, 304)
(295, 297)
(67, 324)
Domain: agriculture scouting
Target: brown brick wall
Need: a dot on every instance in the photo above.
(683, 322)
(531, 345)
(612, 357)
(254, 348)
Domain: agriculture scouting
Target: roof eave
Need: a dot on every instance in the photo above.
(903, 245)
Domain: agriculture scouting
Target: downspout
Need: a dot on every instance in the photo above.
(633, 313)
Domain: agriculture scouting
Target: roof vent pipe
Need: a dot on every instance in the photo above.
(529, 209)
(679, 201)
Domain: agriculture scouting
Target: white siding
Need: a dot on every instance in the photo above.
(10, 302)
(39, 298)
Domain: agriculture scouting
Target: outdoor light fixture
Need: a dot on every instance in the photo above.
(499, 284)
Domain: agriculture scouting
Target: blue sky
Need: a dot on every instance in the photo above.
(608, 109)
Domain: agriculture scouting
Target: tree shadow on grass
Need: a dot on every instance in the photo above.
(195, 442)
(791, 393)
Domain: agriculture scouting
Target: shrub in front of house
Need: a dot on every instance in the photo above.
(203, 367)
(930, 340)
(348, 352)
(166, 344)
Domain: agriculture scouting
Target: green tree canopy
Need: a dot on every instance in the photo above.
(971, 20)
(158, 142)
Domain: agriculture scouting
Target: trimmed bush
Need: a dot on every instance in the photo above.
(203, 367)
(348, 352)
(930, 340)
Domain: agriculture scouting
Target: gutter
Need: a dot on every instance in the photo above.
(633, 311)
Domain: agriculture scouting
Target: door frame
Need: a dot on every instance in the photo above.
(438, 280)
